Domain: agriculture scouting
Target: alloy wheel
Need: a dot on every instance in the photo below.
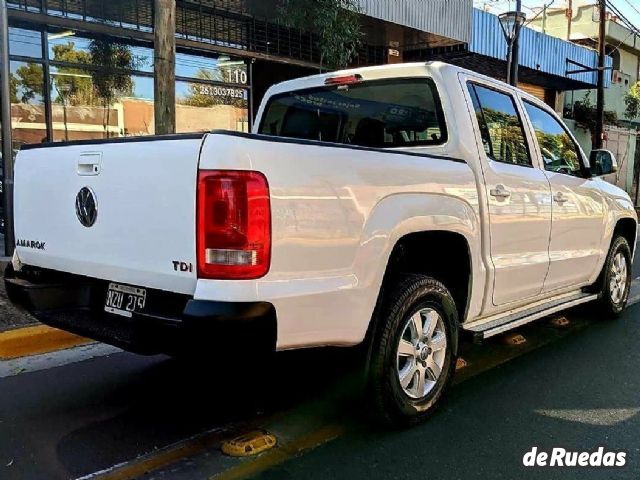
(421, 353)
(618, 278)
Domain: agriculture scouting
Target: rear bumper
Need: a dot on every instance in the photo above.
(171, 323)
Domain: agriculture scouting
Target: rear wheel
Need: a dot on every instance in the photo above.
(616, 278)
(414, 351)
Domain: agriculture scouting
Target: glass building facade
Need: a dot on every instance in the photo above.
(66, 85)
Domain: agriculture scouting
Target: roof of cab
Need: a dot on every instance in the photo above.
(379, 72)
(368, 73)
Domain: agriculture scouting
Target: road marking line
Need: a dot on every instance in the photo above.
(282, 453)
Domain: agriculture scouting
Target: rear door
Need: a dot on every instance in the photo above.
(579, 208)
(122, 211)
(518, 193)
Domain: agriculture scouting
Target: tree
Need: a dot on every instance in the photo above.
(336, 22)
(632, 101)
(72, 84)
(31, 82)
(105, 78)
(113, 79)
(585, 115)
(13, 88)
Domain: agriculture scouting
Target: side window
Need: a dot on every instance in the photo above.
(560, 154)
(500, 126)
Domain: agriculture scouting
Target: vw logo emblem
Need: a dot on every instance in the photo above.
(86, 207)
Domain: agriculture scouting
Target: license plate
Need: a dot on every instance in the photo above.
(124, 300)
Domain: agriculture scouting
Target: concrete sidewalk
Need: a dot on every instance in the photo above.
(11, 317)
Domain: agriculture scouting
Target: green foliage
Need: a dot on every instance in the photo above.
(336, 22)
(13, 88)
(585, 114)
(72, 84)
(101, 77)
(112, 80)
(29, 81)
(503, 135)
(632, 101)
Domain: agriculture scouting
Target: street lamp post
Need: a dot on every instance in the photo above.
(511, 23)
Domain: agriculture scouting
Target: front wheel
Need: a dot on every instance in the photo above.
(413, 353)
(616, 278)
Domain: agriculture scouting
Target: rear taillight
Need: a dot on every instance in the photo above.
(344, 80)
(234, 225)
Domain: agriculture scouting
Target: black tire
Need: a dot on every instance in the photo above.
(612, 305)
(392, 405)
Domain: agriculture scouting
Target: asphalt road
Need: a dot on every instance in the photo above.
(76, 419)
(575, 388)
(579, 393)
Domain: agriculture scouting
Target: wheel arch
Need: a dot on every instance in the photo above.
(413, 253)
(423, 225)
(627, 228)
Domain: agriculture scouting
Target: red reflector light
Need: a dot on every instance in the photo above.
(344, 80)
(234, 225)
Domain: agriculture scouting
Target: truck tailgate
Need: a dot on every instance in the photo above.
(142, 230)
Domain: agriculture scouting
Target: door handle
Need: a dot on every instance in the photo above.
(560, 198)
(89, 164)
(499, 192)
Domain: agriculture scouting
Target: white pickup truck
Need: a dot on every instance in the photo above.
(396, 207)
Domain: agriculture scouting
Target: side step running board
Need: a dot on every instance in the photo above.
(489, 328)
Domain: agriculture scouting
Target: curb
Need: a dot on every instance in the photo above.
(33, 340)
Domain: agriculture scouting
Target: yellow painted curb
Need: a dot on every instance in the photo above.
(34, 340)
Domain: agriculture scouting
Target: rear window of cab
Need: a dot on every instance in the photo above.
(381, 114)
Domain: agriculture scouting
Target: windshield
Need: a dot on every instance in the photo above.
(383, 113)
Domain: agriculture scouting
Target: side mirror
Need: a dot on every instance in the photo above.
(602, 162)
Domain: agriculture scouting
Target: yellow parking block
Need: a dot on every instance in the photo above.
(249, 444)
(514, 339)
(24, 341)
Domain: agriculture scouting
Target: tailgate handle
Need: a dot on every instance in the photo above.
(90, 164)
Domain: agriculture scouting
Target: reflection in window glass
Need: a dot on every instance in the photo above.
(559, 151)
(28, 5)
(222, 69)
(2, 245)
(26, 84)
(90, 104)
(203, 107)
(25, 43)
(67, 46)
(500, 126)
(60, 42)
